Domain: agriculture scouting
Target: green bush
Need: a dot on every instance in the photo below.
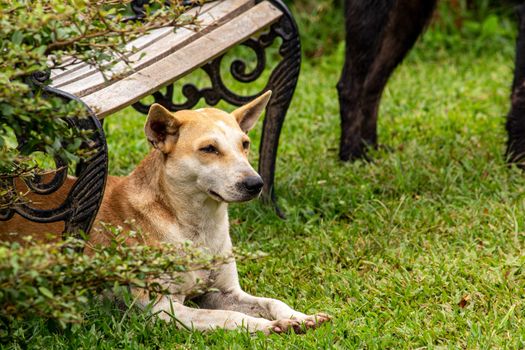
(55, 281)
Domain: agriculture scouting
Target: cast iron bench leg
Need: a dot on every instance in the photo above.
(282, 82)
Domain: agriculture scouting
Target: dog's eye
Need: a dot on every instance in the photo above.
(209, 149)
(246, 144)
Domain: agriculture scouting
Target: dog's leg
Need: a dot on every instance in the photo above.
(406, 23)
(378, 36)
(272, 309)
(170, 309)
(365, 22)
(516, 118)
(230, 296)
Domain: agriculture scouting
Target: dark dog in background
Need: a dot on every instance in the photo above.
(516, 117)
(379, 34)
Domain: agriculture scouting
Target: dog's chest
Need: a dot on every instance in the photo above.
(209, 235)
(212, 239)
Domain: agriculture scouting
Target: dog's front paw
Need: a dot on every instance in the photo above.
(314, 321)
(285, 325)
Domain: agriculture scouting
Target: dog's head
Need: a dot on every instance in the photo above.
(207, 149)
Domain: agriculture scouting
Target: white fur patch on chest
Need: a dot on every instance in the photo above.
(211, 237)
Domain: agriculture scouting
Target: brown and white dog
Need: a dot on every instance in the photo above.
(180, 192)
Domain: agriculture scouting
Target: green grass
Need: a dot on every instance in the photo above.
(389, 248)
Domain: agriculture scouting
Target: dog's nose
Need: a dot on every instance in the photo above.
(252, 184)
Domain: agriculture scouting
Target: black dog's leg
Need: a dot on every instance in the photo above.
(379, 34)
(516, 118)
(406, 23)
(365, 23)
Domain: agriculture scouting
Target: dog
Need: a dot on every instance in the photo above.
(180, 192)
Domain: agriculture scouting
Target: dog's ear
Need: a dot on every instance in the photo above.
(162, 128)
(248, 114)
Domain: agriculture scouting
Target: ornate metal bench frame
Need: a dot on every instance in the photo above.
(80, 208)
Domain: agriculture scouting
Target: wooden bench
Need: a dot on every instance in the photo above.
(163, 57)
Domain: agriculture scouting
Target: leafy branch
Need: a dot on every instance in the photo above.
(55, 281)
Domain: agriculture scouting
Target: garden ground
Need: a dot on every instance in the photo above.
(420, 248)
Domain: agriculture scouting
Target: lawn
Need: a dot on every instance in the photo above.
(420, 248)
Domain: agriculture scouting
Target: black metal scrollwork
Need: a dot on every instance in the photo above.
(81, 205)
(218, 90)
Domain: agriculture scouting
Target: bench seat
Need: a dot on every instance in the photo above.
(164, 55)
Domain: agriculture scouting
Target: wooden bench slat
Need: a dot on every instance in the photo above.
(81, 69)
(143, 83)
(87, 80)
(60, 75)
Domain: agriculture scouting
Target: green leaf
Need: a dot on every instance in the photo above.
(490, 26)
(45, 292)
(6, 110)
(17, 38)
